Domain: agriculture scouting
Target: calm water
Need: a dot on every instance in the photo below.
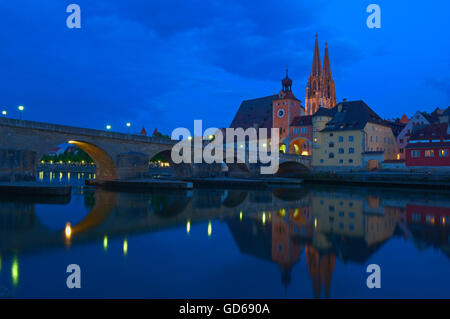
(215, 243)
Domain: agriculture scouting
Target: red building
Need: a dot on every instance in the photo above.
(429, 146)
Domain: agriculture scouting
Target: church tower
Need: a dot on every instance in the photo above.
(320, 86)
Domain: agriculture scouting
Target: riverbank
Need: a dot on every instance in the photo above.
(382, 178)
(34, 189)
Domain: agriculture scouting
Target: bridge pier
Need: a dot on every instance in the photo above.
(17, 165)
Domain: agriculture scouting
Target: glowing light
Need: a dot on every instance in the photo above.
(125, 247)
(282, 212)
(41, 176)
(68, 231)
(305, 153)
(209, 229)
(60, 162)
(108, 127)
(240, 215)
(211, 137)
(264, 218)
(315, 223)
(15, 271)
(188, 226)
(264, 145)
(128, 124)
(68, 176)
(21, 108)
(82, 162)
(242, 146)
(4, 113)
(443, 223)
(105, 243)
(71, 142)
(398, 156)
(190, 138)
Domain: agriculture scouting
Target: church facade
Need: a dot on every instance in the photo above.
(320, 91)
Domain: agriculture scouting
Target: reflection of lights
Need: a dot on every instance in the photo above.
(68, 231)
(68, 176)
(15, 271)
(125, 247)
(305, 153)
(240, 215)
(209, 228)
(296, 212)
(105, 243)
(264, 218)
(188, 226)
(60, 176)
(41, 176)
(443, 222)
(315, 222)
(282, 212)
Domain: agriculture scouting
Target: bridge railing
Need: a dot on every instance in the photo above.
(82, 131)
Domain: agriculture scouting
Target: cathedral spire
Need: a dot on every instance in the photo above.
(316, 66)
(326, 63)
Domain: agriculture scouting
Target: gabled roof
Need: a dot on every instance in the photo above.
(352, 115)
(256, 111)
(433, 131)
(323, 111)
(302, 120)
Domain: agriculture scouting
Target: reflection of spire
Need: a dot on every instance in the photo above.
(321, 269)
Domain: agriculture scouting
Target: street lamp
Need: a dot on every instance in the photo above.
(108, 127)
(128, 125)
(4, 113)
(20, 108)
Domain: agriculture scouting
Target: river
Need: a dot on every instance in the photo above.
(314, 242)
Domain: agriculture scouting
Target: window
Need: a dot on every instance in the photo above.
(341, 161)
(351, 150)
(350, 138)
(401, 141)
(341, 139)
(304, 130)
(341, 151)
(331, 155)
(331, 134)
(443, 153)
(401, 150)
(415, 153)
(429, 153)
(371, 138)
(321, 160)
(350, 161)
(331, 144)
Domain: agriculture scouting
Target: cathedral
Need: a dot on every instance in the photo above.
(285, 112)
(320, 86)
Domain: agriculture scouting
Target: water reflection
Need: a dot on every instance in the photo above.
(322, 226)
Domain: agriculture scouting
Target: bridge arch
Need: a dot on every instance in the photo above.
(106, 168)
(300, 146)
(291, 169)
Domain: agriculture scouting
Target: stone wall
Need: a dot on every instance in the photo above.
(17, 165)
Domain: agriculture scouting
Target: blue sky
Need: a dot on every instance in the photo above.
(165, 63)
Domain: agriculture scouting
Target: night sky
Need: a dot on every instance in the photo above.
(165, 63)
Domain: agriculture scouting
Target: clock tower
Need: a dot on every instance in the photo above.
(285, 108)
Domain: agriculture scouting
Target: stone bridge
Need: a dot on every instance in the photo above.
(116, 155)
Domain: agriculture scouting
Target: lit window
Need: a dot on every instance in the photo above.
(429, 153)
(415, 154)
(351, 150)
(443, 153)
